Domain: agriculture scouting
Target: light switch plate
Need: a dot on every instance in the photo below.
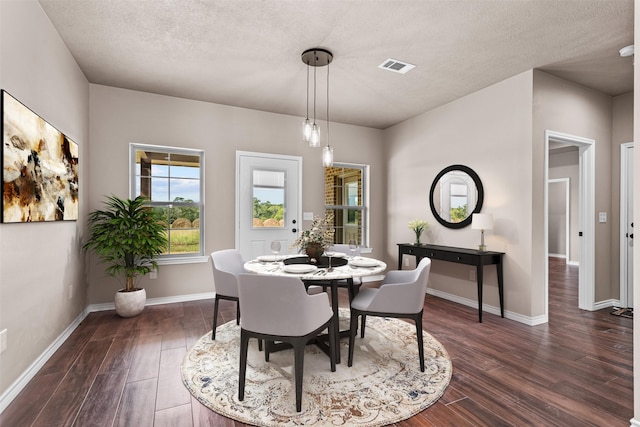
(307, 216)
(603, 217)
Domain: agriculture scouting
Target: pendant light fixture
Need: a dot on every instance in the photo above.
(314, 57)
(306, 125)
(327, 152)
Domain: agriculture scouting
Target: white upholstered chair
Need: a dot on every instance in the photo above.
(227, 264)
(401, 294)
(277, 308)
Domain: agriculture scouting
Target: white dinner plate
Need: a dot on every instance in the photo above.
(364, 262)
(299, 268)
(270, 258)
(337, 255)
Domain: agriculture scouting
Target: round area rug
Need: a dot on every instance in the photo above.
(383, 386)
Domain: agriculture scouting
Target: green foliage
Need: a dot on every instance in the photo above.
(459, 214)
(266, 210)
(128, 236)
(170, 215)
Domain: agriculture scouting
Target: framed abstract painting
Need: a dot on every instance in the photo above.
(39, 167)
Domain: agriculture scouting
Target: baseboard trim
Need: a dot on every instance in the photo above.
(21, 382)
(156, 301)
(635, 422)
(606, 304)
(527, 320)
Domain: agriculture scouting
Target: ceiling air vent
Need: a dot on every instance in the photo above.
(396, 66)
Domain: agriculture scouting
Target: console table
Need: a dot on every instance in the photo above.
(460, 256)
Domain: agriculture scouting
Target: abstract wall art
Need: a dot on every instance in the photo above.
(39, 167)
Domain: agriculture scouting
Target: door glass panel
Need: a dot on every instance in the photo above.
(268, 198)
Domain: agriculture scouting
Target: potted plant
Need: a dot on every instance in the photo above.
(127, 235)
(318, 238)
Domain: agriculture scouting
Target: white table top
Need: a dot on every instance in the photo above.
(343, 272)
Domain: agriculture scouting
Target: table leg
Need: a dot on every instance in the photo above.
(336, 318)
(500, 287)
(479, 271)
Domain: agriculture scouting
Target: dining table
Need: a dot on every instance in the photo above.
(324, 272)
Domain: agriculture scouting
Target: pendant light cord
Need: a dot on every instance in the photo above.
(307, 91)
(327, 105)
(314, 89)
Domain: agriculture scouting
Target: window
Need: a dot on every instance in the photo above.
(171, 179)
(344, 199)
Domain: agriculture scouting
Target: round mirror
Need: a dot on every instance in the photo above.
(455, 194)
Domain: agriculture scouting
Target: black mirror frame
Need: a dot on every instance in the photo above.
(479, 189)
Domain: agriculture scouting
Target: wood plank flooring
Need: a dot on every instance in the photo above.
(574, 371)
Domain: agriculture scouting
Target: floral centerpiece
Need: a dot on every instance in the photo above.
(418, 226)
(316, 239)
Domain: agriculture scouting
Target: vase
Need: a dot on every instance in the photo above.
(417, 242)
(314, 250)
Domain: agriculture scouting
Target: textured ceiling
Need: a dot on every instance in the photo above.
(246, 53)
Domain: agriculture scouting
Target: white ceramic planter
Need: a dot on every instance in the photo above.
(130, 304)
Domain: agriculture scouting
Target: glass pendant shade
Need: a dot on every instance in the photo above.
(327, 156)
(314, 141)
(306, 130)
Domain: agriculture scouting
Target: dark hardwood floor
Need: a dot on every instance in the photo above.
(574, 371)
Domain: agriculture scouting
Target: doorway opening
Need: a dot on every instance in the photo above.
(585, 241)
(626, 225)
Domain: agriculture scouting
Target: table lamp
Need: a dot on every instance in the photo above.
(482, 222)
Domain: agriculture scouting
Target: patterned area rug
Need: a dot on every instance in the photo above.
(383, 386)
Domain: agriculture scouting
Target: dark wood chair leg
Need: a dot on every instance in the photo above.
(244, 346)
(353, 329)
(238, 313)
(215, 318)
(267, 348)
(259, 345)
(363, 321)
(298, 350)
(418, 320)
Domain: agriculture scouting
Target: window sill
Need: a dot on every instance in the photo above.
(183, 260)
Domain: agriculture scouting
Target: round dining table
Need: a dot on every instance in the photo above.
(320, 273)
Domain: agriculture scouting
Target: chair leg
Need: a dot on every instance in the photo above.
(298, 350)
(364, 320)
(259, 345)
(353, 329)
(215, 318)
(333, 350)
(237, 312)
(244, 346)
(267, 345)
(418, 320)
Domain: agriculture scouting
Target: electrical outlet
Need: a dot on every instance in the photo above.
(70, 288)
(406, 262)
(153, 274)
(3, 341)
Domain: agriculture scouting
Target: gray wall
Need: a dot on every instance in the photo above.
(42, 283)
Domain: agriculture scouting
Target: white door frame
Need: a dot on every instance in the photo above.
(586, 207)
(624, 220)
(567, 207)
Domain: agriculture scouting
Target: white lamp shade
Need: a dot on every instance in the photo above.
(481, 221)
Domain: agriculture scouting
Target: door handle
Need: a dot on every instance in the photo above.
(293, 230)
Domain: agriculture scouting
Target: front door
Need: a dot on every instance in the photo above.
(268, 202)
